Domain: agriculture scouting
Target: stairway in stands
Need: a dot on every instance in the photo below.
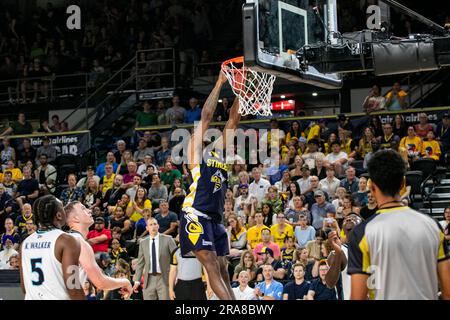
(440, 199)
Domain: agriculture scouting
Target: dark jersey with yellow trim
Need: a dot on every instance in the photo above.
(207, 192)
(399, 248)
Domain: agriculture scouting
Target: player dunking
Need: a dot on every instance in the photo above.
(79, 219)
(201, 228)
(49, 257)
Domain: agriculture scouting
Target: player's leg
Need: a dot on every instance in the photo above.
(212, 265)
(222, 244)
(225, 275)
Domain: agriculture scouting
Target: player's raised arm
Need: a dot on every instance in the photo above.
(195, 144)
(232, 122)
(70, 255)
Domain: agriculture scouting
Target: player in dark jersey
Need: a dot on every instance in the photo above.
(201, 228)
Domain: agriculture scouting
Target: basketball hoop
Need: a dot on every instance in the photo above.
(253, 88)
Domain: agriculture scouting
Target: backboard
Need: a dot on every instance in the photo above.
(275, 30)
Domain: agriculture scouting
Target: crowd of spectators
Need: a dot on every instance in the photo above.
(278, 220)
(38, 45)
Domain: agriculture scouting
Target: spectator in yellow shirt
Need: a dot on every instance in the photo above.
(281, 230)
(412, 143)
(254, 233)
(315, 131)
(136, 207)
(431, 148)
(295, 131)
(16, 173)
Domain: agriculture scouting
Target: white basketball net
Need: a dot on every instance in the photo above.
(253, 88)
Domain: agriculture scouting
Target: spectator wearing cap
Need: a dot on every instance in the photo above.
(266, 242)
(337, 158)
(241, 200)
(167, 220)
(90, 174)
(110, 159)
(142, 151)
(318, 289)
(99, 237)
(320, 209)
(8, 251)
(47, 149)
(314, 186)
(330, 183)
(305, 181)
(259, 187)
(268, 289)
(443, 133)
(350, 182)
(312, 153)
(396, 98)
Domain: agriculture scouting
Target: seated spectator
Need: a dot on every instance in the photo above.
(19, 127)
(293, 214)
(131, 191)
(296, 172)
(388, 137)
(142, 151)
(396, 98)
(266, 243)
(399, 126)
(114, 194)
(259, 187)
(305, 181)
(157, 192)
(350, 182)
(9, 184)
(119, 220)
(315, 132)
(14, 262)
(254, 234)
(170, 174)
(72, 192)
(167, 220)
(90, 174)
(374, 101)
(107, 181)
(320, 209)
(110, 159)
(423, 127)
(243, 291)
(299, 287)
(294, 131)
(136, 206)
(46, 175)
(56, 124)
(30, 228)
(309, 195)
(375, 148)
(128, 177)
(175, 114)
(348, 145)
(268, 216)
(330, 184)
(365, 143)
(99, 238)
(27, 189)
(237, 235)
(431, 148)
(177, 183)
(241, 200)
(413, 144)
(360, 196)
(313, 153)
(21, 221)
(320, 169)
(10, 232)
(370, 209)
(268, 289)
(121, 148)
(47, 149)
(117, 252)
(304, 232)
(281, 230)
(283, 185)
(16, 173)
(143, 168)
(301, 256)
(7, 251)
(194, 113)
(287, 253)
(348, 207)
(147, 117)
(318, 289)
(272, 198)
(92, 196)
(8, 153)
(25, 153)
(6, 206)
(337, 158)
(247, 263)
(163, 153)
(176, 202)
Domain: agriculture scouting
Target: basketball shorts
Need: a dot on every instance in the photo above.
(200, 233)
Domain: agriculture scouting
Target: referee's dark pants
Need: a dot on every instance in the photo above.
(190, 290)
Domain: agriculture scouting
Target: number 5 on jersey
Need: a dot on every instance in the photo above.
(36, 267)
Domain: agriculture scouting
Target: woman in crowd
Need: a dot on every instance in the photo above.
(127, 157)
(233, 175)
(431, 148)
(339, 198)
(319, 170)
(296, 172)
(176, 184)
(365, 143)
(136, 207)
(247, 263)
(268, 214)
(244, 178)
(399, 126)
(302, 255)
(294, 190)
(237, 235)
(348, 207)
(412, 144)
(294, 131)
(120, 220)
(289, 158)
(377, 126)
(327, 146)
(123, 202)
(92, 196)
(423, 127)
(8, 153)
(302, 147)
